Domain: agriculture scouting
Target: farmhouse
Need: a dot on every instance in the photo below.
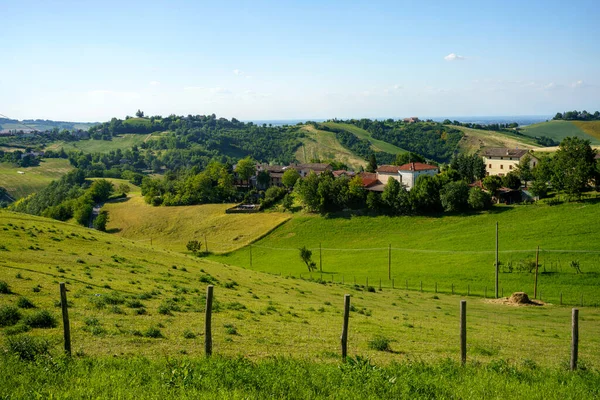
(406, 174)
(317, 168)
(275, 174)
(500, 161)
(370, 182)
(411, 120)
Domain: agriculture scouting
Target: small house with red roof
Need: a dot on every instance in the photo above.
(406, 174)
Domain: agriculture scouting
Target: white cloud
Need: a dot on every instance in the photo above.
(154, 83)
(578, 84)
(550, 86)
(238, 72)
(454, 57)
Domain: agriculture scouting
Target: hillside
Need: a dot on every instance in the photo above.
(323, 145)
(42, 125)
(172, 227)
(33, 178)
(447, 250)
(476, 140)
(559, 130)
(376, 145)
(123, 142)
(128, 298)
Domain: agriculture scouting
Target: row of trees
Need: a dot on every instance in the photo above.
(487, 127)
(577, 116)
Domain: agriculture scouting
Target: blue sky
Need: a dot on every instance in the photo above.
(90, 61)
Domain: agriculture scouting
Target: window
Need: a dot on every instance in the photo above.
(501, 166)
(490, 166)
(502, 158)
(510, 167)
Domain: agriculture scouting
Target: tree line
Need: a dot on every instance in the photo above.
(577, 116)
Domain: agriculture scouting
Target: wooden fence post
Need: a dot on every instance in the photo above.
(463, 332)
(561, 298)
(390, 262)
(344, 337)
(65, 315)
(379, 283)
(421, 286)
(208, 322)
(497, 262)
(574, 338)
(468, 290)
(453, 288)
(205, 244)
(436, 287)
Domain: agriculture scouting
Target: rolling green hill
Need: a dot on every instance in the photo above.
(128, 299)
(323, 145)
(559, 130)
(123, 142)
(33, 178)
(449, 250)
(376, 145)
(476, 140)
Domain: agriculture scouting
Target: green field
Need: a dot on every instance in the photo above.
(448, 250)
(476, 140)
(129, 299)
(558, 130)
(122, 142)
(376, 145)
(34, 178)
(323, 145)
(591, 128)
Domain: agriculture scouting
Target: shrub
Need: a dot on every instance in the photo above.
(230, 329)
(24, 302)
(166, 307)
(380, 343)
(154, 333)
(4, 288)
(17, 329)
(41, 319)
(135, 304)
(140, 311)
(26, 347)
(189, 334)
(371, 289)
(9, 315)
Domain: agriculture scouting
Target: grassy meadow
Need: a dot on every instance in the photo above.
(558, 130)
(476, 140)
(591, 128)
(324, 145)
(172, 227)
(450, 250)
(122, 142)
(34, 178)
(376, 145)
(129, 299)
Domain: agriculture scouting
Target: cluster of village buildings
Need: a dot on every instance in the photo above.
(498, 161)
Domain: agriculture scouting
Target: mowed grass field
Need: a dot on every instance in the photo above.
(129, 299)
(34, 178)
(476, 140)
(447, 250)
(558, 130)
(323, 145)
(122, 142)
(173, 227)
(376, 145)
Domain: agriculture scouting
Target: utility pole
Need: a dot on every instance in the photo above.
(497, 266)
(320, 257)
(390, 262)
(537, 257)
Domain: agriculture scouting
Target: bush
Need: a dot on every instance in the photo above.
(17, 329)
(479, 200)
(380, 343)
(26, 347)
(9, 315)
(154, 333)
(24, 302)
(4, 288)
(41, 319)
(189, 334)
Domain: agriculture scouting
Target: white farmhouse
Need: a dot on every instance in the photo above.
(406, 174)
(500, 161)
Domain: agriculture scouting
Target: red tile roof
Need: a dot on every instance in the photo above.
(392, 169)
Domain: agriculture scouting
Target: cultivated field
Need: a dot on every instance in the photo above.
(129, 299)
(558, 130)
(475, 140)
(449, 250)
(172, 227)
(122, 142)
(34, 178)
(591, 128)
(324, 145)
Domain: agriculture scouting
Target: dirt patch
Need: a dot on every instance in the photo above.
(517, 299)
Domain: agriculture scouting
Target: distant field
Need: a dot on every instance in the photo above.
(173, 227)
(591, 128)
(448, 250)
(122, 142)
(376, 144)
(558, 130)
(34, 178)
(323, 145)
(129, 299)
(476, 140)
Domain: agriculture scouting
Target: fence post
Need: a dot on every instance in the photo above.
(463, 332)
(421, 286)
(436, 287)
(497, 262)
(320, 258)
(468, 290)
(390, 262)
(561, 298)
(205, 244)
(207, 321)
(344, 337)
(574, 338)
(392, 283)
(537, 254)
(250, 256)
(65, 315)
(453, 288)
(379, 283)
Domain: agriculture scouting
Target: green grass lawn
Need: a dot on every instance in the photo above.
(122, 142)
(376, 144)
(130, 299)
(558, 130)
(457, 250)
(34, 178)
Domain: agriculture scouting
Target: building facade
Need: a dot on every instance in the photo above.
(500, 161)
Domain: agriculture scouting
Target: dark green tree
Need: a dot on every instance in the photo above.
(573, 166)
(511, 181)
(306, 256)
(289, 178)
(479, 200)
(101, 221)
(492, 183)
(194, 246)
(455, 196)
(372, 165)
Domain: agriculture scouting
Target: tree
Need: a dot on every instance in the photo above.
(455, 196)
(246, 168)
(194, 246)
(405, 158)
(524, 168)
(573, 166)
(425, 195)
(470, 168)
(139, 114)
(395, 198)
(492, 183)
(372, 165)
(101, 221)
(123, 188)
(356, 193)
(307, 190)
(288, 202)
(100, 190)
(263, 179)
(479, 200)
(289, 178)
(511, 180)
(306, 256)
